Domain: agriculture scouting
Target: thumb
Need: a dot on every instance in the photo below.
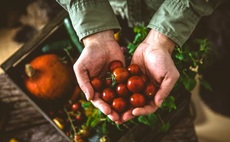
(84, 82)
(163, 91)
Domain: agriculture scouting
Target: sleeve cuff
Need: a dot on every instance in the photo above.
(91, 17)
(176, 20)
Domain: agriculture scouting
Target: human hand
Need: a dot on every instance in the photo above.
(100, 49)
(153, 56)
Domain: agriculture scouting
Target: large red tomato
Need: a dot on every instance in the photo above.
(115, 64)
(150, 90)
(97, 83)
(135, 84)
(122, 90)
(137, 100)
(108, 95)
(119, 105)
(121, 75)
(134, 69)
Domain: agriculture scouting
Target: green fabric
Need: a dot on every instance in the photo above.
(177, 19)
(174, 18)
(90, 16)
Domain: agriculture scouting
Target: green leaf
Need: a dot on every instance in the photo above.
(149, 120)
(104, 128)
(131, 47)
(144, 120)
(169, 103)
(165, 127)
(153, 119)
(86, 104)
(137, 38)
(179, 56)
(189, 83)
(205, 84)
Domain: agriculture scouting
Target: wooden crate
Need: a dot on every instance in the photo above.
(14, 66)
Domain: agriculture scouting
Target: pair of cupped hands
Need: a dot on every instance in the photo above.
(153, 56)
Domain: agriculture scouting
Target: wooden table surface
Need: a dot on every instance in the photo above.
(21, 120)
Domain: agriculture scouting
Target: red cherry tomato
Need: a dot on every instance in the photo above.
(134, 69)
(150, 90)
(135, 84)
(75, 107)
(79, 117)
(119, 105)
(137, 100)
(122, 90)
(97, 83)
(145, 78)
(115, 64)
(121, 75)
(108, 95)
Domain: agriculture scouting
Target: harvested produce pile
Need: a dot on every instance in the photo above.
(124, 88)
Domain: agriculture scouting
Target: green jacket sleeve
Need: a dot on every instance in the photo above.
(178, 18)
(90, 16)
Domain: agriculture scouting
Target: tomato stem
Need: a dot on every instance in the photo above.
(112, 77)
(29, 70)
(71, 123)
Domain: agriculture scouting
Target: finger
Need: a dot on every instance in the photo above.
(148, 109)
(165, 88)
(119, 122)
(84, 81)
(114, 116)
(101, 105)
(127, 116)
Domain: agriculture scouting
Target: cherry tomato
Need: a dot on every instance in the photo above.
(78, 138)
(115, 64)
(97, 83)
(122, 90)
(108, 95)
(79, 117)
(121, 75)
(150, 90)
(145, 78)
(75, 107)
(135, 84)
(134, 69)
(119, 104)
(137, 100)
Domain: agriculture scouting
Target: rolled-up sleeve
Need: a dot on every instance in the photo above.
(177, 19)
(90, 16)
